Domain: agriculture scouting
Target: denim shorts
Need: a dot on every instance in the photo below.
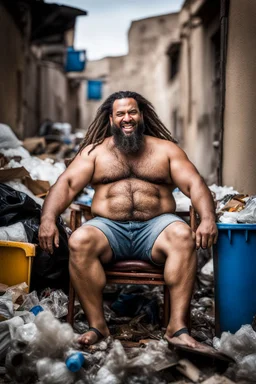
(133, 240)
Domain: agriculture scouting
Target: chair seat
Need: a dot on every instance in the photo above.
(133, 266)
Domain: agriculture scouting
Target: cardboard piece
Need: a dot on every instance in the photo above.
(204, 350)
(38, 187)
(34, 144)
(13, 173)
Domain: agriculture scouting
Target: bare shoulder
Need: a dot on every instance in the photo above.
(91, 151)
(172, 150)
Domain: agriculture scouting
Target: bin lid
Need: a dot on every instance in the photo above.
(236, 226)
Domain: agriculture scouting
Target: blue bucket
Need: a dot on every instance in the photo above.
(235, 276)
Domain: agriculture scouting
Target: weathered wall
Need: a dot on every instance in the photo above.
(197, 100)
(54, 93)
(240, 111)
(32, 96)
(11, 70)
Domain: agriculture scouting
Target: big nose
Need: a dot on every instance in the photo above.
(127, 118)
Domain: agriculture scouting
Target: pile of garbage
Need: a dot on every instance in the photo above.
(36, 346)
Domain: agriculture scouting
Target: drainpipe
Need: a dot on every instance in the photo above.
(224, 11)
(189, 63)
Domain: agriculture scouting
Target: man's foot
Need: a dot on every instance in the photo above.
(93, 336)
(181, 337)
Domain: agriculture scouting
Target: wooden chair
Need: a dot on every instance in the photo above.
(129, 271)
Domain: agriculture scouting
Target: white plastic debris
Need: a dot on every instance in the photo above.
(182, 201)
(6, 305)
(19, 151)
(43, 169)
(6, 330)
(14, 232)
(53, 372)
(208, 268)
(237, 345)
(248, 214)
(229, 217)
(8, 138)
(241, 346)
(220, 191)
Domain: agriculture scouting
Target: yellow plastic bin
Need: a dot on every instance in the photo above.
(16, 262)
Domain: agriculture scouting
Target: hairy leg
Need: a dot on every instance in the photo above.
(176, 247)
(89, 248)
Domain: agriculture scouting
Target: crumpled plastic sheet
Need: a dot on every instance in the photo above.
(45, 337)
(6, 306)
(18, 186)
(118, 368)
(57, 303)
(14, 232)
(43, 169)
(8, 138)
(38, 169)
(241, 346)
(30, 300)
(19, 152)
(6, 333)
(248, 214)
(17, 290)
(222, 191)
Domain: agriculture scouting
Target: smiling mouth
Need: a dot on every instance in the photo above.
(128, 128)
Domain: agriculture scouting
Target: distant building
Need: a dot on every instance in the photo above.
(34, 84)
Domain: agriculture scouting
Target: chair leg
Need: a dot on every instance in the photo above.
(71, 303)
(166, 306)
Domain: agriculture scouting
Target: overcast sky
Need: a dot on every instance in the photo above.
(103, 32)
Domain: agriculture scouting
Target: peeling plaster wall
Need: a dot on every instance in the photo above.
(197, 92)
(54, 93)
(12, 72)
(240, 110)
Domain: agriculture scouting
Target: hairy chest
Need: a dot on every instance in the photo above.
(151, 167)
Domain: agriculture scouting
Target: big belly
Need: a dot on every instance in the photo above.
(132, 200)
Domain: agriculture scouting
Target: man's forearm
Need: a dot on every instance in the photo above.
(58, 199)
(202, 200)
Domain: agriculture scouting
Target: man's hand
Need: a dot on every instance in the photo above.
(206, 234)
(47, 235)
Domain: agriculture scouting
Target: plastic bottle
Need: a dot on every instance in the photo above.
(75, 361)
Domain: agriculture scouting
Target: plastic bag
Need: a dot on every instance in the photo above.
(248, 214)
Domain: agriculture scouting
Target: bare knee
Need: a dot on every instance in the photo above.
(182, 236)
(83, 239)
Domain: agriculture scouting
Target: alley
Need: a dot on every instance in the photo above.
(127, 193)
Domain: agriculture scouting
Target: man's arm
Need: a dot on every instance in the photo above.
(188, 180)
(69, 184)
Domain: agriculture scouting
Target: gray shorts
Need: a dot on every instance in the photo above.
(133, 240)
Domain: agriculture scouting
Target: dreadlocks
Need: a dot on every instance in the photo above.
(100, 128)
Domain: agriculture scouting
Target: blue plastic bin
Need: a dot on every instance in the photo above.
(94, 89)
(235, 276)
(75, 60)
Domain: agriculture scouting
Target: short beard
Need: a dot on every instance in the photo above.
(128, 144)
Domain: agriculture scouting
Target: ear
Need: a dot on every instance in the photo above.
(110, 119)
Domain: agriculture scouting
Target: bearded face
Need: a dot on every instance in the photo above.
(131, 143)
(127, 126)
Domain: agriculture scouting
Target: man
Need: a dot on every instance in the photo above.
(133, 163)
